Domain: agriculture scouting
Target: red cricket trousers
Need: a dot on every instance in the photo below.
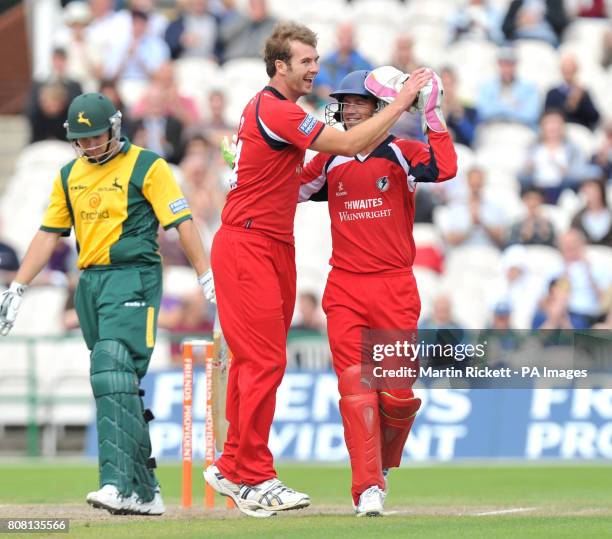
(255, 288)
(355, 303)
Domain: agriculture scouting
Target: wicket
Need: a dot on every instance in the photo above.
(209, 434)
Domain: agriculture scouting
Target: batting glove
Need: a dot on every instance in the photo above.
(10, 300)
(228, 151)
(429, 104)
(385, 83)
(207, 283)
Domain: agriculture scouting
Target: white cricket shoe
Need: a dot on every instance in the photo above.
(273, 495)
(153, 508)
(225, 487)
(371, 503)
(108, 498)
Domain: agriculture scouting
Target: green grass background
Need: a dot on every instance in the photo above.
(556, 491)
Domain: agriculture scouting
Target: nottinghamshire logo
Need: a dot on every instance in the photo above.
(82, 120)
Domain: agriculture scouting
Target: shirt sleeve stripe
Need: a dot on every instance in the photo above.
(178, 221)
(63, 231)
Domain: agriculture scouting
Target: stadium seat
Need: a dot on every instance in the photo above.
(588, 34)
(474, 62)
(502, 158)
(179, 280)
(131, 91)
(426, 234)
(15, 358)
(41, 312)
(582, 137)
(600, 255)
(434, 11)
(196, 77)
(504, 134)
(538, 62)
(375, 41)
(314, 11)
(470, 272)
(559, 217)
(542, 260)
(428, 283)
(383, 12)
(326, 35)
(429, 42)
(47, 153)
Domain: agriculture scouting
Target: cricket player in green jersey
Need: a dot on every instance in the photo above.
(115, 195)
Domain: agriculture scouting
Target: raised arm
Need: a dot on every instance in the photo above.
(351, 142)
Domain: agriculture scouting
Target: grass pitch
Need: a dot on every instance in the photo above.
(446, 501)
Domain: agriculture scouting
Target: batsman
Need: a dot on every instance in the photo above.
(115, 195)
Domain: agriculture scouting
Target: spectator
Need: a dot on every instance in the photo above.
(244, 36)
(606, 56)
(534, 228)
(588, 284)
(179, 105)
(441, 315)
(553, 311)
(544, 20)
(107, 28)
(409, 124)
(586, 8)
(460, 119)
(476, 19)
(595, 219)
(403, 54)
(508, 98)
(84, 60)
(185, 315)
(156, 130)
(48, 99)
(138, 57)
(603, 157)
(309, 314)
(9, 264)
(215, 125)
(194, 33)
(47, 120)
(570, 98)
(109, 89)
(517, 287)
(339, 63)
(477, 220)
(157, 21)
(553, 162)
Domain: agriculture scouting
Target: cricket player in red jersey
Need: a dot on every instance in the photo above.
(371, 285)
(253, 257)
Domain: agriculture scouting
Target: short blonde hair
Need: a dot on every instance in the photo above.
(278, 45)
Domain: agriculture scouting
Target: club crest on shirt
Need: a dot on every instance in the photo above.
(382, 183)
(341, 192)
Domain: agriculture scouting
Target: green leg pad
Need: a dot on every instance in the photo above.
(122, 429)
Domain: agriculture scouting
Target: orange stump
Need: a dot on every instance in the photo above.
(209, 434)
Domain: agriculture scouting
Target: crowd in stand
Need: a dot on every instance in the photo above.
(117, 46)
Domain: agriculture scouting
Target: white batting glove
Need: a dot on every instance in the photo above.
(429, 104)
(10, 300)
(207, 283)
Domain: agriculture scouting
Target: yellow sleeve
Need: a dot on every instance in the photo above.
(57, 216)
(165, 196)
